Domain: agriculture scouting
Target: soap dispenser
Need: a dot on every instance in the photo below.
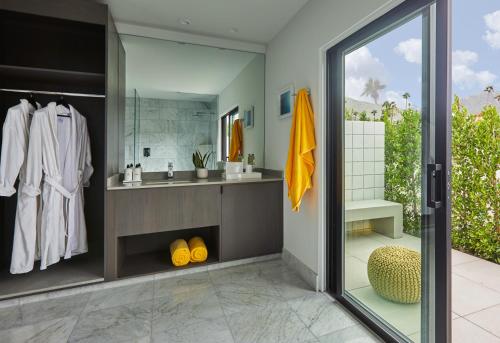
(137, 174)
(128, 173)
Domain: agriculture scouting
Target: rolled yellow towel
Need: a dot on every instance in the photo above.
(199, 252)
(179, 252)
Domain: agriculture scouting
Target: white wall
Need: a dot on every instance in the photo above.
(294, 55)
(247, 90)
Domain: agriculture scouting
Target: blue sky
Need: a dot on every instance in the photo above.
(395, 58)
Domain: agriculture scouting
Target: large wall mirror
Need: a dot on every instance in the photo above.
(183, 98)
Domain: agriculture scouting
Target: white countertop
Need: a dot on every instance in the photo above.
(115, 185)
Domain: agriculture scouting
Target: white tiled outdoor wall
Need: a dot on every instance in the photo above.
(364, 160)
(172, 129)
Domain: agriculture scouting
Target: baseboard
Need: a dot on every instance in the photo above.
(300, 268)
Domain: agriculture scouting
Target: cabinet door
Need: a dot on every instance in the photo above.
(252, 220)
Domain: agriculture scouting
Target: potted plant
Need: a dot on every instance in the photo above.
(250, 163)
(200, 163)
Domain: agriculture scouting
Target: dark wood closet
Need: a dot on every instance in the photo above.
(64, 46)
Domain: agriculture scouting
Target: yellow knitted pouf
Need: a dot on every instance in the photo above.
(394, 273)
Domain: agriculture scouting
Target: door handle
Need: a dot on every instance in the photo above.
(434, 179)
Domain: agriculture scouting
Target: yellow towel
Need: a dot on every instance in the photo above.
(300, 163)
(179, 251)
(236, 144)
(199, 252)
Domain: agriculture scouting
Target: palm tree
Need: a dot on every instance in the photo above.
(497, 97)
(406, 96)
(372, 88)
(374, 114)
(489, 89)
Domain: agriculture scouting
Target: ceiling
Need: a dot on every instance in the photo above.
(170, 70)
(256, 21)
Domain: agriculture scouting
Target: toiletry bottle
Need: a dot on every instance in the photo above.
(128, 173)
(170, 172)
(137, 174)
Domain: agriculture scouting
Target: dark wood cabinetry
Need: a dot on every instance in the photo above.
(237, 221)
(252, 220)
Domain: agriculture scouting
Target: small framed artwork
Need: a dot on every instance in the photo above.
(286, 101)
(248, 118)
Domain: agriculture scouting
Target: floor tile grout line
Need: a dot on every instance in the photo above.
(483, 309)
(479, 284)
(222, 309)
(484, 329)
(79, 316)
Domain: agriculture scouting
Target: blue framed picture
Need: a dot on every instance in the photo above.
(286, 98)
(248, 118)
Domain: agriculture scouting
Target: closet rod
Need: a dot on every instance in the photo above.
(53, 93)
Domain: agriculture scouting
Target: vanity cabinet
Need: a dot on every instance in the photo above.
(252, 220)
(236, 220)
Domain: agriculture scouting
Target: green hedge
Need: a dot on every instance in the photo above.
(475, 187)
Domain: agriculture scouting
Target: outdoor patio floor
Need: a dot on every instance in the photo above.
(475, 290)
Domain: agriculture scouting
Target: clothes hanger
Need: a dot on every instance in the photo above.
(63, 103)
(32, 100)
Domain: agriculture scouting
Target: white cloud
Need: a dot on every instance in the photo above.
(492, 35)
(464, 57)
(395, 96)
(411, 50)
(464, 76)
(360, 66)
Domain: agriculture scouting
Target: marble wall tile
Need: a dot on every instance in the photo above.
(181, 125)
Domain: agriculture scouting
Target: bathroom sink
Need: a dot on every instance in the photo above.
(166, 182)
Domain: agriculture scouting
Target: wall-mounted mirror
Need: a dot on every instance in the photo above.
(183, 97)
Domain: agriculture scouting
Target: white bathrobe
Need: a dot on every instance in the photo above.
(58, 167)
(15, 141)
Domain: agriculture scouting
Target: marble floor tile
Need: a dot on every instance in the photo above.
(112, 297)
(54, 308)
(236, 274)
(126, 323)
(180, 284)
(50, 331)
(353, 334)
(274, 325)
(186, 307)
(255, 294)
(10, 317)
(321, 314)
(289, 285)
(213, 330)
(276, 266)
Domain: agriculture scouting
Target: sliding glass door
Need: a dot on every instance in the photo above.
(388, 166)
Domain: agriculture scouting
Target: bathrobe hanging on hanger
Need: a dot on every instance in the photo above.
(15, 141)
(59, 156)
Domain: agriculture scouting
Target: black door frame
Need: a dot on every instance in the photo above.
(441, 298)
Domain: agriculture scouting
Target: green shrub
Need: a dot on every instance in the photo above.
(403, 141)
(475, 188)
